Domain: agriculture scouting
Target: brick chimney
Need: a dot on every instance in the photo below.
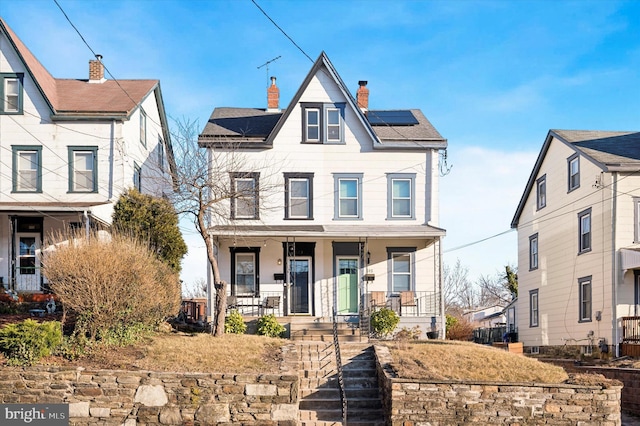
(273, 96)
(362, 96)
(96, 70)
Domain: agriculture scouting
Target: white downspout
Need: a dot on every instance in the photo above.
(614, 270)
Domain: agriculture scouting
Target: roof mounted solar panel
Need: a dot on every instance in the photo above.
(392, 118)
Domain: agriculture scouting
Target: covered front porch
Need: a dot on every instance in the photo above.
(314, 271)
(24, 234)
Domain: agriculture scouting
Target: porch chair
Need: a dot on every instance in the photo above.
(273, 303)
(232, 303)
(408, 300)
(378, 299)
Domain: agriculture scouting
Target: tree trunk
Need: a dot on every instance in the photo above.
(221, 308)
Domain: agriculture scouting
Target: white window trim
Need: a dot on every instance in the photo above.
(253, 197)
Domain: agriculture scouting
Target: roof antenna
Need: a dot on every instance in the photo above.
(266, 64)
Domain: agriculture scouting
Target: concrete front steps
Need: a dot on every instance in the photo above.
(323, 331)
(320, 391)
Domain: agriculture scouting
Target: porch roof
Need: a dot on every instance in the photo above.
(331, 231)
(630, 257)
(50, 207)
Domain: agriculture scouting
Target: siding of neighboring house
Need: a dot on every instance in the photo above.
(606, 192)
(78, 128)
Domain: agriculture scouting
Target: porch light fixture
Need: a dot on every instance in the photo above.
(279, 262)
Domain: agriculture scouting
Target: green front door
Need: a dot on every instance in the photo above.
(347, 286)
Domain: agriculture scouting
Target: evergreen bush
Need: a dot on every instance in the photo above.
(26, 342)
(234, 323)
(384, 321)
(269, 326)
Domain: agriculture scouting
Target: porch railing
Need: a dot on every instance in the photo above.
(411, 303)
(631, 330)
(267, 302)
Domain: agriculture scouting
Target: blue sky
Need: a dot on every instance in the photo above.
(492, 76)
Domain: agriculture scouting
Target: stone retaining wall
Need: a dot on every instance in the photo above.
(631, 390)
(108, 397)
(411, 402)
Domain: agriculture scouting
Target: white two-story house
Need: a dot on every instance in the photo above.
(335, 205)
(578, 225)
(68, 150)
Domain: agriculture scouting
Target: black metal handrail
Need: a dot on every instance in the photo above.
(336, 345)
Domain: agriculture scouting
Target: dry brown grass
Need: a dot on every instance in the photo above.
(448, 360)
(180, 352)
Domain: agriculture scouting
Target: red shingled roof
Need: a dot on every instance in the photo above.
(79, 97)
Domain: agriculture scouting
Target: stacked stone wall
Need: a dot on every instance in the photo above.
(108, 397)
(413, 402)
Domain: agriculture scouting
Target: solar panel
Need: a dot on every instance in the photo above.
(392, 118)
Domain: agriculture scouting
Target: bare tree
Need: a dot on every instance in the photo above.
(204, 193)
(459, 292)
(500, 288)
(196, 290)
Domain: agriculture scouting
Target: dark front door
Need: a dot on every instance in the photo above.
(299, 283)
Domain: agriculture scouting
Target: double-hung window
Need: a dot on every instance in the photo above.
(401, 268)
(160, 154)
(245, 264)
(322, 122)
(534, 311)
(27, 168)
(401, 196)
(584, 231)
(348, 196)
(573, 166)
(137, 177)
(533, 252)
(298, 188)
(541, 193)
(143, 127)
(584, 285)
(11, 91)
(83, 169)
(245, 190)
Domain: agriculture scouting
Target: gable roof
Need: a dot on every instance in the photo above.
(609, 150)
(79, 98)
(257, 128)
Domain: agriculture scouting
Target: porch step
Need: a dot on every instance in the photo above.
(323, 332)
(320, 403)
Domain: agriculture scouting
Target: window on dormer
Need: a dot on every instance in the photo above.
(322, 123)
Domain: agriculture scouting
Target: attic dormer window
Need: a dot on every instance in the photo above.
(322, 122)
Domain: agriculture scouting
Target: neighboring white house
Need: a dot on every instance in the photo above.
(578, 228)
(489, 316)
(69, 148)
(336, 204)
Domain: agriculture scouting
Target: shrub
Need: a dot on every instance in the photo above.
(234, 323)
(152, 220)
(459, 329)
(269, 326)
(384, 321)
(25, 343)
(111, 284)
